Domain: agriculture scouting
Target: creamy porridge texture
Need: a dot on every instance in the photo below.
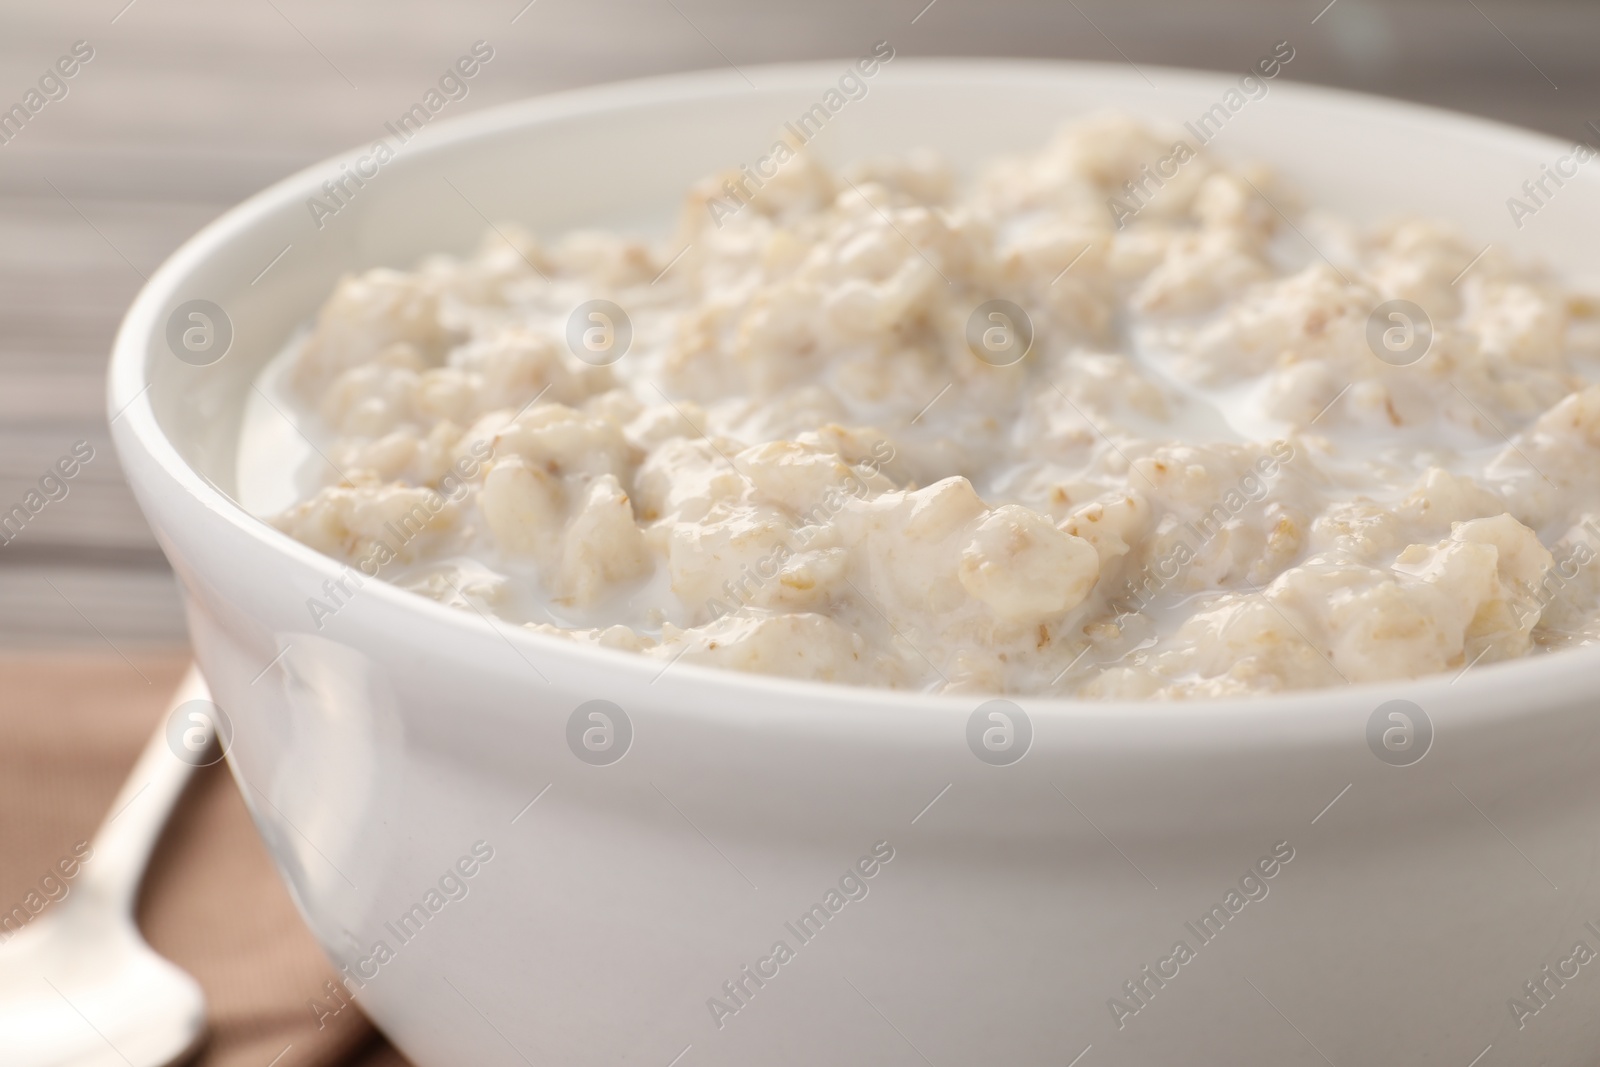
(885, 427)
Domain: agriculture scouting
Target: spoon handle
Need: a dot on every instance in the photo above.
(125, 840)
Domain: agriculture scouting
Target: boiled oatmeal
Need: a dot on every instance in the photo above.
(1112, 420)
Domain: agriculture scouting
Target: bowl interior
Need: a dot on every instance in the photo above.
(621, 156)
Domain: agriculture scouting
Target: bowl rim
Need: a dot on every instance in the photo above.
(1497, 692)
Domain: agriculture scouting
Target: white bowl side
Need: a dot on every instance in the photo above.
(375, 749)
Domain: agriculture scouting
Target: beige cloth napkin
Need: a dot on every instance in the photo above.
(71, 726)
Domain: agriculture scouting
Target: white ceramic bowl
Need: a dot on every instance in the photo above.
(376, 751)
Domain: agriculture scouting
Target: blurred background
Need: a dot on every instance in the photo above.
(188, 106)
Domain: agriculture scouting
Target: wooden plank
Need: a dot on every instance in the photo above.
(117, 607)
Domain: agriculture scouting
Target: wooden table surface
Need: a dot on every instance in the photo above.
(188, 106)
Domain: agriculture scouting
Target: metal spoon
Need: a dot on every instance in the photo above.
(79, 987)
